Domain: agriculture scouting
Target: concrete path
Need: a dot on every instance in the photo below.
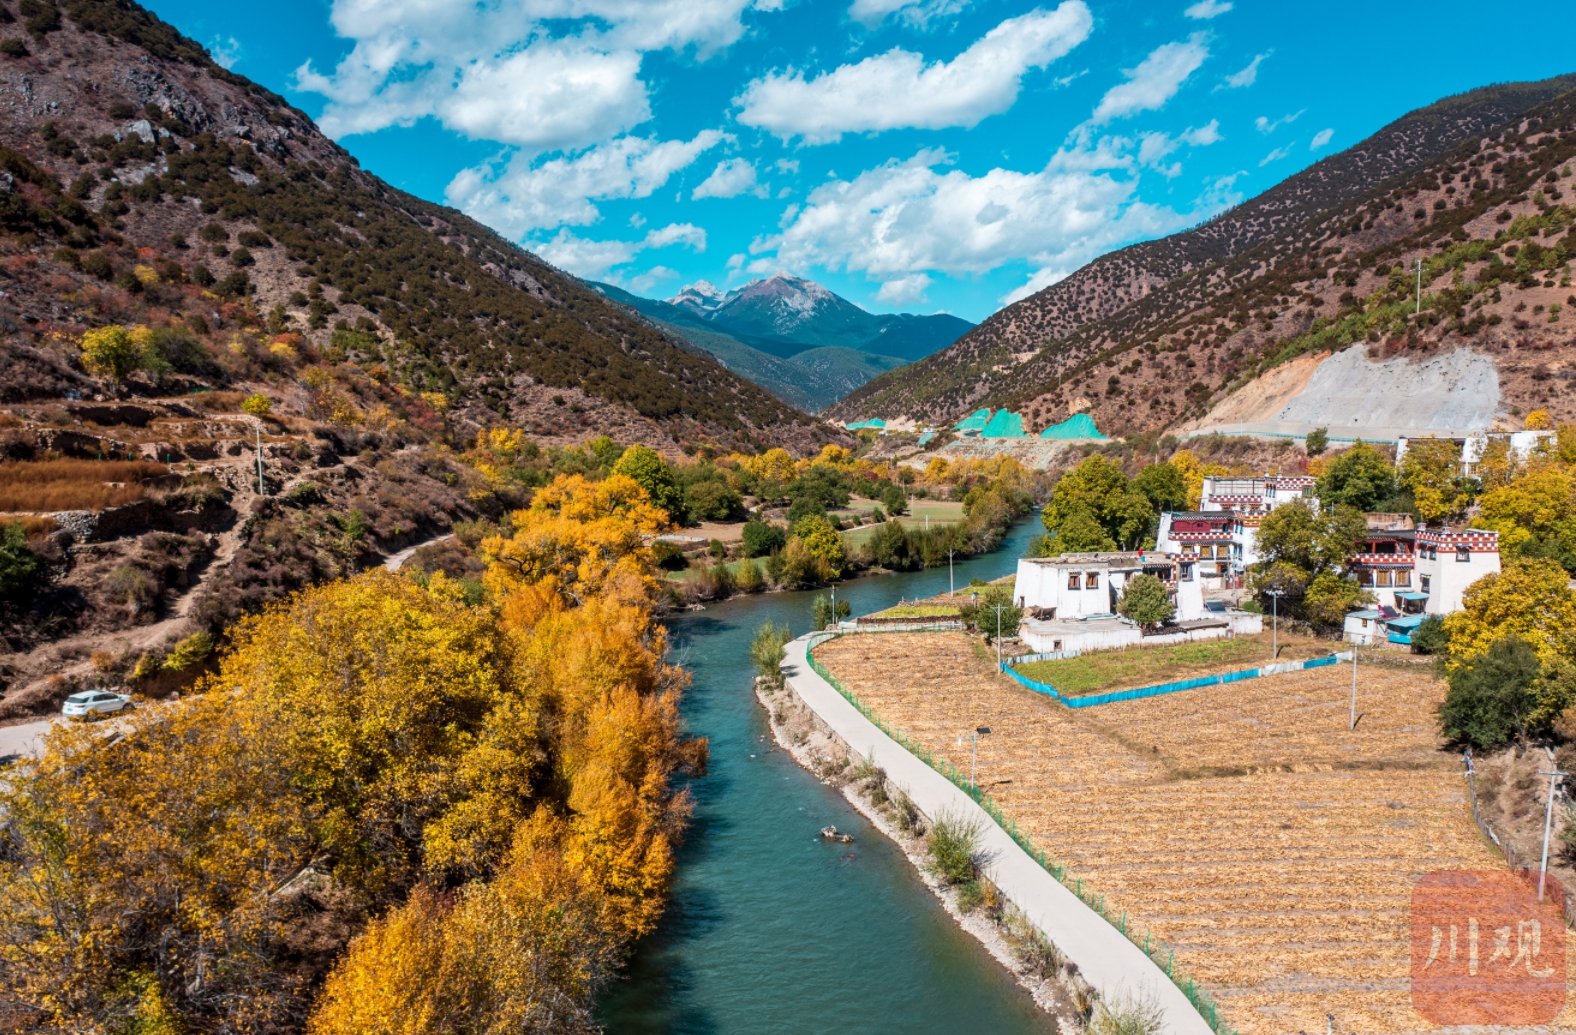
(1104, 956)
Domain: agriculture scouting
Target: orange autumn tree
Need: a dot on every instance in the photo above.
(589, 870)
(494, 785)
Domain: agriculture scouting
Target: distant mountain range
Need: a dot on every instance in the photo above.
(792, 336)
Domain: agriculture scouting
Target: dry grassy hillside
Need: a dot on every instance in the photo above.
(1153, 343)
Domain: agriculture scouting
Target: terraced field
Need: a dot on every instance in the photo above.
(1246, 826)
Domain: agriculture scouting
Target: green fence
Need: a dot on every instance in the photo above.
(1164, 959)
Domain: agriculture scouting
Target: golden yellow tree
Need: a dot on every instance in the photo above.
(1531, 598)
(1431, 469)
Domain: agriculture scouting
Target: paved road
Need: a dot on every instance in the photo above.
(23, 741)
(396, 562)
(1103, 954)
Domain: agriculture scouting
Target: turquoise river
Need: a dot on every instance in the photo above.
(771, 929)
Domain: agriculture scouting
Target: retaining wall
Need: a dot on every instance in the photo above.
(1107, 950)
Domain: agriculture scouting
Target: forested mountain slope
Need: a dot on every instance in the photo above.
(1022, 353)
(135, 165)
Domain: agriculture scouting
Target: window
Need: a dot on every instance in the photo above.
(1187, 573)
(1424, 581)
(1403, 578)
(1463, 555)
(1056, 646)
(1073, 580)
(1092, 580)
(1365, 578)
(1383, 577)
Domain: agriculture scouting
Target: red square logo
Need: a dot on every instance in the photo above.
(1485, 950)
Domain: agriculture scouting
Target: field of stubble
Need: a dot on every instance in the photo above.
(1246, 826)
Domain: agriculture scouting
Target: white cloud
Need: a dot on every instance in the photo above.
(1265, 125)
(788, 165)
(226, 51)
(1153, 148)
(1320, 139)
(587, 258)
(906, 218)
(1207, 9)
(1275, 155)
(897, 89)
(732, 177)
(871, 13)
(541, 75)
(526, 196)
(1155, 81)
(652, 277)
(1247, 77)
(903, 290)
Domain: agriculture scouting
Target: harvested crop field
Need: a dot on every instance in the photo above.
(1244, 825)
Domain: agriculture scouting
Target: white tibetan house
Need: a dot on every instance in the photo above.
(1070, 601)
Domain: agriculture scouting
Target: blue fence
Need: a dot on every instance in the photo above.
(1092, 700)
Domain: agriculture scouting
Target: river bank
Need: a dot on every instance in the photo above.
(770, 928)
(798, 730)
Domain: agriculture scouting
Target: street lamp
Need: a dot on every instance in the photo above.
(1275, 595)
(1417, 264)
(981, 731)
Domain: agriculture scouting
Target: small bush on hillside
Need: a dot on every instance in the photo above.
(18, 564)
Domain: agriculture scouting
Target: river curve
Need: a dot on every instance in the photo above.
(772, 930)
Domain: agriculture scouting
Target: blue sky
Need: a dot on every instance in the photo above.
(912, 155)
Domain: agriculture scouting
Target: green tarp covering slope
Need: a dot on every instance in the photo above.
(1079, 425)
(877, 425)
(973, 422)
(1005, 424)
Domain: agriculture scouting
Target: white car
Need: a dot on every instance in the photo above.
(92, 703)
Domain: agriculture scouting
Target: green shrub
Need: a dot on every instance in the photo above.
(18, 564)
(1127, 1014)
(668, 555)
(953, 841)
(826, 613)
(761, 538)
(1430, 637)
(1318, 441)
(894, 499)
(193, 650)
(767, 651)
(1490, 696)
(1146, 601)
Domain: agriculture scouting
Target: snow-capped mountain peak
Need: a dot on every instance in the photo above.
(700, 297)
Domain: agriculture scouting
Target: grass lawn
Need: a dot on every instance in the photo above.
(1105, 671)
(918, 611)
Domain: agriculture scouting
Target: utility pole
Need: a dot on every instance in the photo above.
(1417, 264)
(1554, 776)
(1275, 595)
(952, 585)
(1354, 688)
(979, 731)
(262, 490)
(998, 635)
